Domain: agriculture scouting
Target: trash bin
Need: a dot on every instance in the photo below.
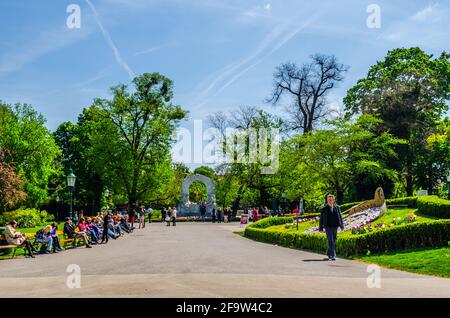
(2, 230)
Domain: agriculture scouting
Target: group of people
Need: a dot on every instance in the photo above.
(218, 215)
(91, 230)
(47, 235)
(169, 215)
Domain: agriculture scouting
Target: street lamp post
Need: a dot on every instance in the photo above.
(448, 184)
(57, 207)
(107, 198)
(71, 178)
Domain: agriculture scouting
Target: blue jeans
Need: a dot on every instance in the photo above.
(331, 237)
(47, 240)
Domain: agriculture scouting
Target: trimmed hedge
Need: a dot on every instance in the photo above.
(347, 206)
(434, 206)
(411, 202)
(413, 235)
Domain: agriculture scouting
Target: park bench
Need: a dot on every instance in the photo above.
(5, 247)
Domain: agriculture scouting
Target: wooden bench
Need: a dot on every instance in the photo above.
(5, 247)
(65, 240)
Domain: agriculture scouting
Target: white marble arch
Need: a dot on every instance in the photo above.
(210, 192)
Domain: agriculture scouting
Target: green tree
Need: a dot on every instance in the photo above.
(134, 131)
(30, 148)
(254, 186)
(337, 159)
(408, 91)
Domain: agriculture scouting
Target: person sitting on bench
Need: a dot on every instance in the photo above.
(93, 230)
(43, 237)
(69, 230)
(54, 235)
(14, 237)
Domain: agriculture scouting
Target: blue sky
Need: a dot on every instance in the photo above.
(220, 54)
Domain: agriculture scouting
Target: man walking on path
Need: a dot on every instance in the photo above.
(330, 220)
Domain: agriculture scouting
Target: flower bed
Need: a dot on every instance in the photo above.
(412, 235)
(366, 228)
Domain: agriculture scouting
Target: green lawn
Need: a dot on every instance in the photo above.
(430, 261)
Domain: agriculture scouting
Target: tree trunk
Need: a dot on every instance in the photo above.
(409, 185)
(339, 196)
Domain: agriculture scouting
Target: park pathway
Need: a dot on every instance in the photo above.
(203, 260)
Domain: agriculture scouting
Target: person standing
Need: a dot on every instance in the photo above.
(331, 220)
(132, 215)
(75, 217)
(174, 216)
(219, 215)
(106, 218)
(168, 216)
(213, 215)
(141, 217)
(203, 211)
(163, 214)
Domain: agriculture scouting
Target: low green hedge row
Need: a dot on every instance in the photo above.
(347, 206)
(413, 235)
(411, 202)
(434, 206)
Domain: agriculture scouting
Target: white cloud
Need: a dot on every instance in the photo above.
(148, 50)
(426, 13)
(268, 7)
(273, 41)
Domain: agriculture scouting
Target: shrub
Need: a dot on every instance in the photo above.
(26, 218)
(413, 235)
(411, 202)
(156, 215)
(347, 206)
(434, 206)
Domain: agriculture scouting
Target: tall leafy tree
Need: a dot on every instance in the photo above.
(408, 91)
(338, 158)
(247, 173)
(30, 148)
(134, 132)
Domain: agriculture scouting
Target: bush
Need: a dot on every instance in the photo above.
(26, 218)
(156, 215)
(413, 235)
(411, 202)
(434, 206)
(347, 206)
